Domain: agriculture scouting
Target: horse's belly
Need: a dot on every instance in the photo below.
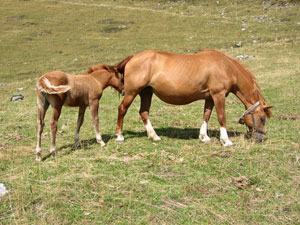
(181, 99)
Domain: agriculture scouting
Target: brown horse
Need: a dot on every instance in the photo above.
(58, 88)
(181, 79)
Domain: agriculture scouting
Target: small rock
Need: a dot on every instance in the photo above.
(243, 28)
(238, 45)
(3, 190)
(242, 56)
(16, 97)
(75, 60)
(20, 89)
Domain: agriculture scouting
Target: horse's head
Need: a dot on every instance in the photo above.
(255, 118)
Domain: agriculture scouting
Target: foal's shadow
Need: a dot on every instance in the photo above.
(83, 144)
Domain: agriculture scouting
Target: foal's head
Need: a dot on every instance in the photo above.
(111, 76)
(255, 119)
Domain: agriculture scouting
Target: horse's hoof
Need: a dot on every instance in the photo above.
(120, 138)
(157, 138)
(227, 143)
(77, 144)
(204, 138)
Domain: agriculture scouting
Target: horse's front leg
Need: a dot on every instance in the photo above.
(123, 107)
(79, 123)
(208, 107)
(219, 101)
(53, 127)
(94, 105)
(146, 97)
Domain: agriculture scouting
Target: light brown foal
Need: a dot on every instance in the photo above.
(181, 79)
(58, 88)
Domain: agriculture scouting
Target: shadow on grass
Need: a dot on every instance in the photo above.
(180, 133)
(171, 132)
(84, 144)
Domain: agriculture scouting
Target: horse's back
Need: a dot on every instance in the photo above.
(180, 78)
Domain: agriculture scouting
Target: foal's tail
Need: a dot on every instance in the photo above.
(44, 83)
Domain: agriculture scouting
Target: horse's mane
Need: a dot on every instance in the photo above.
(247, 73)
(121, 65)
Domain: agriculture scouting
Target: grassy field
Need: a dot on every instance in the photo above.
(178, 180)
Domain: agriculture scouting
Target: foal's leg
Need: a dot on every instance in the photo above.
(43, 105)
(208, 107)
(94, 105)
(79, 123)
(127, 100)
(146, 96)
(53, 126)
(219, 100)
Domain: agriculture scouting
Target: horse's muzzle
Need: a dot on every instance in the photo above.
(259, 137)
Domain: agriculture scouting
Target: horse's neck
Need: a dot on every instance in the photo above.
(247, 94)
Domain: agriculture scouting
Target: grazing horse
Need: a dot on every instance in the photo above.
(58, 88)
(181, 79)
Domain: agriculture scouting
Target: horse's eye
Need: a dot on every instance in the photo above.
(262, 120)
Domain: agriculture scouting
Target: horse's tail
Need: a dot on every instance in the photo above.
(121, 65)
(44, 83)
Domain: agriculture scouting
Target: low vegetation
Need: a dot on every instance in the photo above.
(178, 180)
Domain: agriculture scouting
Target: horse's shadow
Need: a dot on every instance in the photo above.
(170, 132)
(180, 133)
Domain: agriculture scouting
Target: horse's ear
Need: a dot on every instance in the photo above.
(267, 109)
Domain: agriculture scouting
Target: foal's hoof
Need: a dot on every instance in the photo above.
(54, 153)
(101, 143)
(38, 158)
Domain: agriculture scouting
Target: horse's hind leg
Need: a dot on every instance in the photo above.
(146, 97)
(208, 107)
(53, 126)
(79, 123)
(94, 105)
(219, 100)
(43, 105)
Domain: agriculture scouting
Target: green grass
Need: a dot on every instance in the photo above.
(178, 180)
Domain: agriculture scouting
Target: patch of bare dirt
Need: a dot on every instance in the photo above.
(288, 116)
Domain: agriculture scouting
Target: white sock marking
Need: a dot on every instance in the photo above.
(151, 132)
(203, 133)
(224, 138)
